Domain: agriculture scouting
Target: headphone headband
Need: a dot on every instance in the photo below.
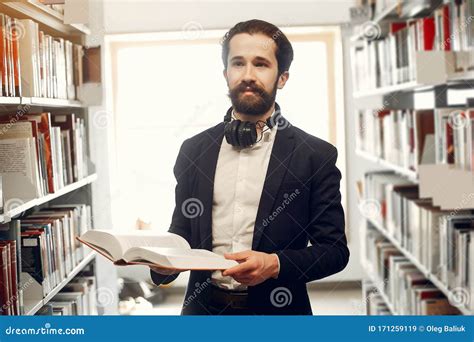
(244, 133)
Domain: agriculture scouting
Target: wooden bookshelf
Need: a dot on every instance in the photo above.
(443, 288)
(31, 307)
(6, 217)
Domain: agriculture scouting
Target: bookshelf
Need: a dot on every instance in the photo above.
(32, 307)
(71, 186)
(441, 75)
(410, 174)
(415, 262)
(49, 19)
(380, 291)
(7, 216)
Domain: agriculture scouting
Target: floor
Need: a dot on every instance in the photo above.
(330, 300)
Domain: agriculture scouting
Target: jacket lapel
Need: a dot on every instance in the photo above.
(207, 163)
(277, 167)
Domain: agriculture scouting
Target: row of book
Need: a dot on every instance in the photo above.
(375, 304)
(77, 298)
(408, 137)
(41, 151)
(40, 249)
(35, 64)
(407, 289)
(397, 136)
(454, 137)
(442, 241)
(388, 57)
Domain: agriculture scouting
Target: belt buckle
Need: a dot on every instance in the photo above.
(238, 303)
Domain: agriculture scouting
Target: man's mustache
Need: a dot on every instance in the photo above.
(243, 87)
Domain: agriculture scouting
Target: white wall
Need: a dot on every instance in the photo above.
(126, 16)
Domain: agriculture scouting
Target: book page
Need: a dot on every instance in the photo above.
(176, 258)
(117, 243)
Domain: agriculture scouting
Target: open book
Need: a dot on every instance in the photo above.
(164, 250)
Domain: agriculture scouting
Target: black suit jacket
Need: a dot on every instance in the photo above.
(300, 203)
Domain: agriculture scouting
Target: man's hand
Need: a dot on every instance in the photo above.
(164, 271)
(254, 267)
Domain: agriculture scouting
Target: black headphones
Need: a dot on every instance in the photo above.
(244, 133)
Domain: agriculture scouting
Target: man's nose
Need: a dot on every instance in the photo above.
(249, 74)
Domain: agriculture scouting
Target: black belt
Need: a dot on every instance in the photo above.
(228, 299)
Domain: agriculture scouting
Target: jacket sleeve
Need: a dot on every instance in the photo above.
(328, 253)
(180, 224)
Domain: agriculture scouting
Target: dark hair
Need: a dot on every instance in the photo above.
(284, 50)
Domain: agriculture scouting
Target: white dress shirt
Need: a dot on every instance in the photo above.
(238, 184)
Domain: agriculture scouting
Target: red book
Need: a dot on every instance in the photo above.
(446, 28)
(428, 27)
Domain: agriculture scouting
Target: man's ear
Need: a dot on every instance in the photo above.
(282, 79)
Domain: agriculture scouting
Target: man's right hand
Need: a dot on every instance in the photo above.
(164, 271)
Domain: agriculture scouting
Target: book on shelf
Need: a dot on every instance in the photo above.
(38, 251)
(376, 305)
(165, 250)
(392, 58)
(407, 289)
(41, 153)
(454, 137)
(35, 64)
(440, 240)
(405, 138)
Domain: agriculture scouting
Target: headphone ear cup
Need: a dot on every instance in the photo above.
(235, 128)
(248, 134)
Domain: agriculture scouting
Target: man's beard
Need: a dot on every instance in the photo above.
(254, 104)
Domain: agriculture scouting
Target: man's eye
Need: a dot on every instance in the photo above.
(260, 65)
(238, 63)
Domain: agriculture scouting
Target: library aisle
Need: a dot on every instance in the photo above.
(156, 157)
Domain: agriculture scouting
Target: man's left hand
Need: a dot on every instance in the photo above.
(254, 267)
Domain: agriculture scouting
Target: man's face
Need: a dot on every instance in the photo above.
(252, 73)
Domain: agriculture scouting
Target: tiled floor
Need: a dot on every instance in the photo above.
(330, 301)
